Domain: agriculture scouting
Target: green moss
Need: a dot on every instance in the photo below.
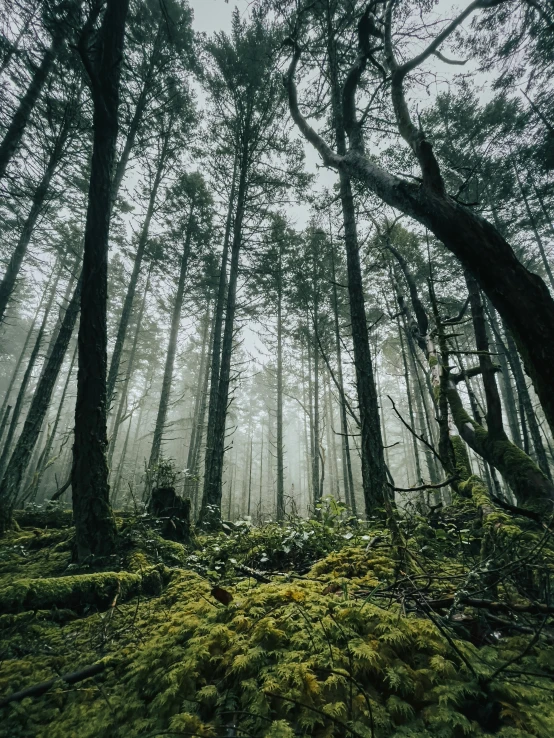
(295, 657)
(77, 592)
(461, 456)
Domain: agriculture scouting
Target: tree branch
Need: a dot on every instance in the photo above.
(327, 154)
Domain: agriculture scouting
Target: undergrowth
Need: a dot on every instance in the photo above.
(323, 627)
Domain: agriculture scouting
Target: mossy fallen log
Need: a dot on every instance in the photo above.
(79, 591)
(33, 517)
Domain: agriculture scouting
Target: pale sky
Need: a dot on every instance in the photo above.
(215, 15)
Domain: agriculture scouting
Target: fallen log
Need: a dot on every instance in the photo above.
(79, 591)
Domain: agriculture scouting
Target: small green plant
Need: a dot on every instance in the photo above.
(162, 474)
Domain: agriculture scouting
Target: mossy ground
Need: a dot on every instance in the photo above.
(347, 647)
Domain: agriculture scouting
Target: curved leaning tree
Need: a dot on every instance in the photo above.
(388, 56)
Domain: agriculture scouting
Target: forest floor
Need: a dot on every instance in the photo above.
(325, 627)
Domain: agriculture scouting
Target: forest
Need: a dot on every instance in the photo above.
(277, 368)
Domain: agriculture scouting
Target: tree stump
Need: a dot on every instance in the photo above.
(173, 512)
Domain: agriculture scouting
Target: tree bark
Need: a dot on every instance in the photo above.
(316, 480)
(529, 419)
(44, 461)
(373, 461)
(193, 460)
(505, 381)
(95, 529)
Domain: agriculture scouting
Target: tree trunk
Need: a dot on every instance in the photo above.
(316, 478)
(199, 397)
(44, 461)
(280, 449)
(132, 287)
(211, 500)
(119, 474)
(129, 371)
(529, 419)
(423, 409)
(373, 461)
(193, 462)
(25, 382)
(348, 481)
(39, 197)
(250, 472)
(210, 491)
(331, 440)
(172, 347)
(306, 417)
(21, 356)
(4, 421)
(137, 116)
(505, 381)
(409, 394)
(37, 411)
(16, 129)
(95, 529)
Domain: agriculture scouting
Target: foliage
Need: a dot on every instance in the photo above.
(347, 649)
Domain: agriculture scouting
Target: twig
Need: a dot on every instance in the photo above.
(425, 486)
(252, 573)
(409, 427)
(519, 656)
(39, 689)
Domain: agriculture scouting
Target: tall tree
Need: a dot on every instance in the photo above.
(95, 529)
(195, 204)
(248, 97)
